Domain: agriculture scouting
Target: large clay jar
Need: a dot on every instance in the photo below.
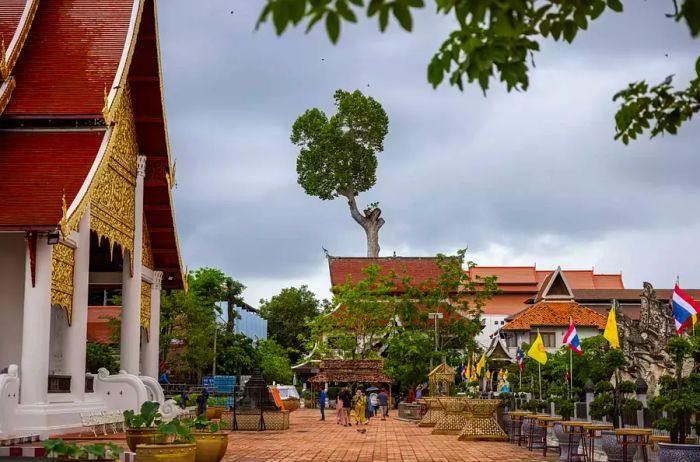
(669, 452)
(614, 449)
(166, 452)
(563, 438)
(211, 447)
(135, 436)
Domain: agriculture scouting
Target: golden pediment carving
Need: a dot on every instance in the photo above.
(62, 264)
(146, 307)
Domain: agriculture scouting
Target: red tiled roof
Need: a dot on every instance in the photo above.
(420, 269)
(10, 14)
(556, 314)
(523, 275)
(71, 55)
(37, 167)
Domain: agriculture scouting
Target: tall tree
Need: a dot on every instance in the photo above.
(287, 314)
(497, 40)
(338, 155)
(233, 295)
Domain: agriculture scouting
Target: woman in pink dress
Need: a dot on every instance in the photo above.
(339, 409)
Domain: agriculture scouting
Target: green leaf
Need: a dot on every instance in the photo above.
(357, 2)
(697, 66)
(280, 16)
(691, 12)
(374, 7)
(580, 20)
(403, 15)
(615, 5)
(345, 11)
(570, 31)
(383, 18)
(435, 71)
(317, 17)
(544, 28)
(597, 9)
(333, 26)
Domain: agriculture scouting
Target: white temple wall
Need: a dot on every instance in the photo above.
(59, 330)
(12, 257)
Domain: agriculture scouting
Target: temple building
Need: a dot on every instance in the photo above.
(85, 203)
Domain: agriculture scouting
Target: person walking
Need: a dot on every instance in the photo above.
(202, 402)
(183, 397)
(373, 404)
(339, 408)
(322, 404)
(419, 392)
(346, 398)
(383, 399)
(360, 406)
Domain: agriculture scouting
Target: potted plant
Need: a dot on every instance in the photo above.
(679, 397)
(176, 444)
(566, 410)
(142, 428)
(211, 442)
(61, 450)
(215, 407)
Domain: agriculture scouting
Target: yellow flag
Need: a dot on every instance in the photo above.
(695, 319)
(537, 351)
(469, 370)
(610, 332)
(481, 364)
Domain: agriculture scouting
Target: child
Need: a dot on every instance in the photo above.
(339, 409)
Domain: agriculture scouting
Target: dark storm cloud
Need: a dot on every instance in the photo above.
(517, 177)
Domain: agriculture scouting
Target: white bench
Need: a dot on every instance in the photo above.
(101, 421)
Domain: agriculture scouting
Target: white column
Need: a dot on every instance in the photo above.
(151, 350)
(131, 284)
(36, 327)
(76, 338)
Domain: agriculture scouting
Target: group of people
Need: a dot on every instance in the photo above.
(359, 406)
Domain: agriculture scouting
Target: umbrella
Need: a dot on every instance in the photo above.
(372, 389)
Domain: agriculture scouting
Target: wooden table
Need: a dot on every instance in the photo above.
(590, 433)
(516, 421)
(641, 438)
(544, 422)
(533, 425)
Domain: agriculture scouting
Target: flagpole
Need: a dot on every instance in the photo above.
(539, 370)
(571, 372)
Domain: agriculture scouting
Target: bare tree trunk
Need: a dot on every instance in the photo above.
(370, 220)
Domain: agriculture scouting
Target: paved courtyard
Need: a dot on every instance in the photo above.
(308, 439)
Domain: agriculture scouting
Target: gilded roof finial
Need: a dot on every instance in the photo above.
(64, 217)
(173, 169)
(4, 69)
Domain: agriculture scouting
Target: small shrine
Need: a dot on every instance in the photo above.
(258, 409)
(441, 380)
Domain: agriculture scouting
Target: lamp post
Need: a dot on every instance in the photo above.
(216, 334)
(436, 317)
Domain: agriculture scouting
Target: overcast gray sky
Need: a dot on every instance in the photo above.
(517, 178)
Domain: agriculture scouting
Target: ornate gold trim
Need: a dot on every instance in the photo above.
(21, 37)
(62, 264)
(6, 89)
(146, 308)
(147, 254)
(4, 68)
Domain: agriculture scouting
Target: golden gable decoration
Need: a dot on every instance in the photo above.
(146, 308)
(147, 254)
(113, 199)
(62, 264)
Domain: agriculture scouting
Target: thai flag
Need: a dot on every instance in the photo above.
(571, 339)
(684, 307)
(520, 357)
(463, 372)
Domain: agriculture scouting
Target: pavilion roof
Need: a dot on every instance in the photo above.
(351, 370)
(556, 313)
(77, 56)
(37, 167)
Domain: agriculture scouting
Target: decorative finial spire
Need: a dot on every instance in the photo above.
(105, 108)
(64, 216)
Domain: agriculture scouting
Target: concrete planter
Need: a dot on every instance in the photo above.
(565, 448)
(614, 449)
(669, 452)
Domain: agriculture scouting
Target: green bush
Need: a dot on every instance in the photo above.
(99, 355)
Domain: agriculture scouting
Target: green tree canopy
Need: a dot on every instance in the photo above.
(274, 362)
(498, 39)
(287, 315)
(338, 155)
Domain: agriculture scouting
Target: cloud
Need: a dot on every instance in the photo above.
(518, 177)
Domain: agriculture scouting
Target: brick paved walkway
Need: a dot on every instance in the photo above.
(392, 440)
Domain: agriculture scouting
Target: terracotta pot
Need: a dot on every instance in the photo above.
(669, 452)
(136, 436)
(291, 404)
(166, 452)
(614, 449)
(214, 412)
(211, 447)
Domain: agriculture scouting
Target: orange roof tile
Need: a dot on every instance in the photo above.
(556, 314)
